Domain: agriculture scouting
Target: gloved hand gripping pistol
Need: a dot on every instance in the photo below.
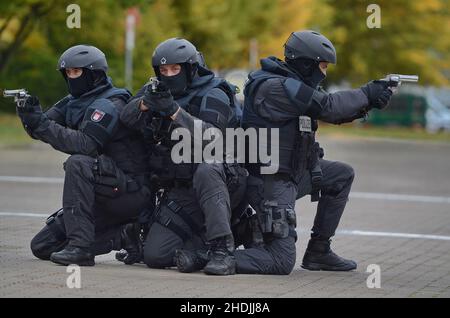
(20, 96)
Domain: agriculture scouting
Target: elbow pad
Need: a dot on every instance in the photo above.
(215, 109)
(299, 94)
(318, 103)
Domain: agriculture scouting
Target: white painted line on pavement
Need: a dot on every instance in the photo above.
(342, 232)
(31, 179)
(399, 197)
(398, 235)
(387, 234)
(20, 214)
(354, 195)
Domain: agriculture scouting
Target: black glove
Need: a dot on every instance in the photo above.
(378, 93)
(160, 101)
(31, 113)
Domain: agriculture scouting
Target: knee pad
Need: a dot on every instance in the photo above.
(52, 238)
(348, 171)
(45, 243)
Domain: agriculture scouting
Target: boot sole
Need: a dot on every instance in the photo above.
(322, 267)
(216, 273)
(131, 260)
(65, 263)
(227, 273)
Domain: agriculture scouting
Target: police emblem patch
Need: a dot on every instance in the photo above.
(305, 124)
(163, 61)
(97, 115)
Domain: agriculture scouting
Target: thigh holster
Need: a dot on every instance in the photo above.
(276, 220)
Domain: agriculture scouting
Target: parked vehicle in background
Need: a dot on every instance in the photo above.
(236, 77)
(437, 115)
(405, 109)
(416, 106)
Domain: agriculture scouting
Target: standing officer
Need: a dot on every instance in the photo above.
(104, 184)
(285, 95)
(197, 205)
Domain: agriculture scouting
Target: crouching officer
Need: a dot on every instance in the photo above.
(104, 184)
(196, 208)
(285, 95)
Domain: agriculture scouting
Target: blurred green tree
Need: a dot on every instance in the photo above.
(414, 36)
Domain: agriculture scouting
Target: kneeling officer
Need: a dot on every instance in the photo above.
(104, 184)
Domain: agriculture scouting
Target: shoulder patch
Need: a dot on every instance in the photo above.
(97, 115)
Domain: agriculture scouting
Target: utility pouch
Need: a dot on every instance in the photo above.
(109, 181)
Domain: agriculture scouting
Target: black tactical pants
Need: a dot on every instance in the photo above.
(188, 217)
(97, 199)
(278, 255)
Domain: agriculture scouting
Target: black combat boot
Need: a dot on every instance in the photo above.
(221, 257)
(131, 243)
(319, 256)
(73, 255)
(191, 261)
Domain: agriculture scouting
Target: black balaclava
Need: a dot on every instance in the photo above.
(179, 83)
(85, 83)
(308, 70)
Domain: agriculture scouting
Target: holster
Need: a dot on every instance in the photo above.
(315, 171)
(107, 181)
(301, 155)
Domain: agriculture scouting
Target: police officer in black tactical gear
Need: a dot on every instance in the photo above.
(105, 176)
(195, 211)
(286, 95)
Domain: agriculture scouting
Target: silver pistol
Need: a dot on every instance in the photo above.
(154, 82)
(20, 96)
(396, 80)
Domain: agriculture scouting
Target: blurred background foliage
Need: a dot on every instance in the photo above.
(414, 37)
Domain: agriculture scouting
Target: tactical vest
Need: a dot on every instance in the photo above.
(160, 161)
(294, 145)
(126, 147)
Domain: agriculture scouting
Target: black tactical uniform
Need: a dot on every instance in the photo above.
(285, 95)
(199, 197)
(105, 176)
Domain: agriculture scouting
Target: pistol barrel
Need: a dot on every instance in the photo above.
(402, 78)
(19, 93)
(409, 78)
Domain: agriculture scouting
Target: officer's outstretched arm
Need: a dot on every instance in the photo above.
(57, 112)
(131, 115)
(340, 107)
(66, 140)
(281, 100)
(98, 126)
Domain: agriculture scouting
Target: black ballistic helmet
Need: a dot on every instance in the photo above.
(201, 60)
(83, 56)
(310, 45)
(175, 51)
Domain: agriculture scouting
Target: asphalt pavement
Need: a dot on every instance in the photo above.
(397, 221)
